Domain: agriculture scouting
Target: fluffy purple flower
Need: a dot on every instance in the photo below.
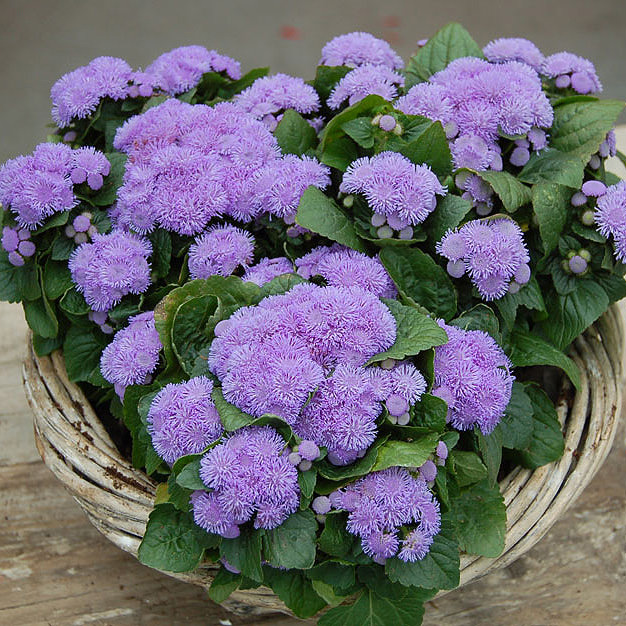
(134, 352)
(428, 100)
(472, 375)
(358, 48)
(394, 187)
(248, 475)
(383, 502)
(89, 165)
(364, 81)
(110, 267)
(183, 419)
(268, 269)
(343, 267)
(181, 69)
(273, 94)
(571, 70)
(221, 250)
(610, 217)
(492, 253)
(77, 94)
(514, 49)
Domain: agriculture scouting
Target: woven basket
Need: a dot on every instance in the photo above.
(118, 498)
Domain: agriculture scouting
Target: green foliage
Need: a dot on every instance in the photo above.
(294, 134)
(292, 544)
(517, 424)
(244, 553)
(512, 193)
(295, 590)
(467, 467)
(405, 453)
(551, 204)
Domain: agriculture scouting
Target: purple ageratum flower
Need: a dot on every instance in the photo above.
(268, 269)
(493, 254)
(514, 49)
(394, 187)
(383, 502)
(472, 375)
(363, 81)
(571, 70)
(111, 267)
(343, 267)
(182, 419)
(428, 100)
(610, 217)
(472, 152)
(249, 476)
(358, 48)
(221, 250)
(89, 165)
(77, 94)
(273, 94)
(134, 352)
(209, 514)
(181, 69)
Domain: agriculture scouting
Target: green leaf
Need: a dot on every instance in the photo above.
(580, 127)
(480, 317)
(406, 454)
(340, 153)
(439, 569)
(41, 318)
(306, 481)
(161, 252)
(547, 442)
(292, 544)
(231, 417)
(326, 77)
(529, 349)
(449, 214)
(340, 577)
(571, 314)
(361, 130)
(430, 411)
(108, 193)
(294, 134)
(509, 189)
(431, 148)
(82, 349)
(449, 43)
(479, 518)
(177, 495)
(490, 447)
(62, 248)
(420, 280)
(44, 346)
(223, 585)
(517, 422)
(553, 167)
(318, 213)
(189, 476)
(551, 204)
(468, 468)
(74, 303)
(56, 279)
(18, 283)
(334, 539)
(279, 285)
(415, 332)
(229, 89)
(244, 553)
(295, 590)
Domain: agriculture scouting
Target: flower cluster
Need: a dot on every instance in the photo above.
(110, 267)
(570, 70)
(267, 269)
(133, 354)
(382, 505)
(249, 476)
(356, 49)
(343, 267)
(18, 245)
(81, 228)
(400, 193)
(89, 165)
(182, 419)
(492, 253)
(508, 49)
(363, 81)
(610, 216)
(472, 375)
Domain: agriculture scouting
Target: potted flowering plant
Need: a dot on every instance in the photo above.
(316, 307)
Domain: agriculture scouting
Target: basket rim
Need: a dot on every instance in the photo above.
(117, 498)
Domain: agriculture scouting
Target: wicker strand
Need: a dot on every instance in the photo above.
(117, 498)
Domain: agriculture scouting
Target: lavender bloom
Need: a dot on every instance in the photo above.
(343, 267)
(110, 267)
(89, 165)
(364, 81)
(183, 419)
(221, 250)
(514, 49)
(358, 48)
(248, 475)
(491, 252)
(134, 352)
(428, 100)
(270, 95)
(181, 69)
(77, 94)
(610, 217)
(383, 502)
(268, 269)
(472, 375)
(394, 187)
(571, 70)
(308, 450)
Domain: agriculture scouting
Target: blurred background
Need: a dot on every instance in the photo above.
(43, 39)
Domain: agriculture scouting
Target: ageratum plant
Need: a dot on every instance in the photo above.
(314, 305)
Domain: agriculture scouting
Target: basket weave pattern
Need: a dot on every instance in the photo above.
(118, 498)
